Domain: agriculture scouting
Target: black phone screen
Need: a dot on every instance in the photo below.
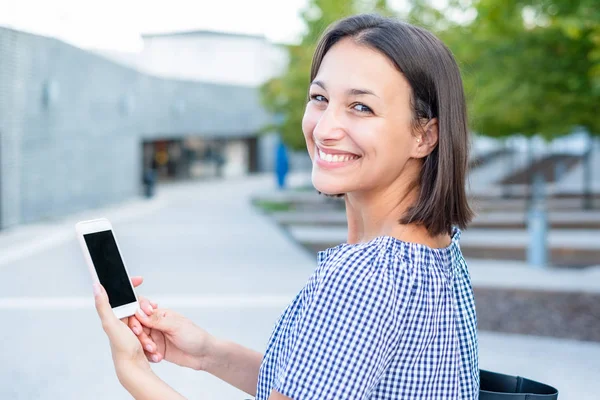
(109, 267)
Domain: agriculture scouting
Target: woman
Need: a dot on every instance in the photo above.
(390, 313)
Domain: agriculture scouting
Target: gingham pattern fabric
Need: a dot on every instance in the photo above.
(385, 319)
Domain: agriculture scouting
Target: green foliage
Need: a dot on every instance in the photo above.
(286, 96)
(270, 206)
(529, 66)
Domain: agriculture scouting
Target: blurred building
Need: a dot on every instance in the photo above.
(78, 129)
(219, 57)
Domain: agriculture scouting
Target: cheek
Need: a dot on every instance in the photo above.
(309, 121)
(387, 144)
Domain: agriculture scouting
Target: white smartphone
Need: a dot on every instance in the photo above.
(103, 257)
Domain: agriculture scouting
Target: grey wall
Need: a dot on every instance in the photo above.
(72, 123)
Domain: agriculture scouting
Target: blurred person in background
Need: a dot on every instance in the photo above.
(390, 313)
(282, 164)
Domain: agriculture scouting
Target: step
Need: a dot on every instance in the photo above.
(512, 238)
(545, 166)
(570, 248)
(496, 220)
(481, 204)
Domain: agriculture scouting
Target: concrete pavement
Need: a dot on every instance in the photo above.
(207, 253)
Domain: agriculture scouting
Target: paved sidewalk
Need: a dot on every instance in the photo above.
(206, 252)
(27, 240)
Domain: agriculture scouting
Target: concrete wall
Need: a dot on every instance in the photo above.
(72, 124)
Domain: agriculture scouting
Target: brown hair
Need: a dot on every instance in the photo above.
(437, 92)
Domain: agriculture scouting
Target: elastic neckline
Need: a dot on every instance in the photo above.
(407, 249)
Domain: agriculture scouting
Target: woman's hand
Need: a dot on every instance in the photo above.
(167, 335)
(176, 339)
(140, 331)
(127, 353)
(131, 365)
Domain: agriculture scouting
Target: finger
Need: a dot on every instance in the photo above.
(145, 329)
(137, 281)
(147, 343)
(145, 305)
(143, 335)
(135, 325)
(160, 319)
(158, 338)
(153, 304)
(149, 357)
(105, 312)
(155, 358)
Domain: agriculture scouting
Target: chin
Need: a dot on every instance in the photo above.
(328, 186)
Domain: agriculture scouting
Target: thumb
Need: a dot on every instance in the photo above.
(137, 281)
(105, 312)
(161, 319)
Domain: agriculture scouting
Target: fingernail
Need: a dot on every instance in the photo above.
(155, 358)
(149, 348)
(149, 310)
(136, 330)
(96, 287)
(141, 314)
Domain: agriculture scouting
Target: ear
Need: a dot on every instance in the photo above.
(426, 139)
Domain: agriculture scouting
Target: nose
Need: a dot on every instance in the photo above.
(329, 127)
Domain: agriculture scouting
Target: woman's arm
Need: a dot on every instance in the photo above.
(234, 364)
(231, 362)
(143, 384)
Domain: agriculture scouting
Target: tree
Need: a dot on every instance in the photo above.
(530, 67)
(286, 96)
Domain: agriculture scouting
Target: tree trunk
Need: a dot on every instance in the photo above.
(510, 163)
(587, 176)
(529, 190)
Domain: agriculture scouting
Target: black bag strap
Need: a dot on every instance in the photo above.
(496, 386)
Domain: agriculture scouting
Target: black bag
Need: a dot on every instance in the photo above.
(495, 386)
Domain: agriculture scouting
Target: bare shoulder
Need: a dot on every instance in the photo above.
(419, 235)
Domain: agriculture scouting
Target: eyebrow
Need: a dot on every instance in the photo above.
(351, 92)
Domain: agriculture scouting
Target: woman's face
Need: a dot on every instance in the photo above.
(357, 124)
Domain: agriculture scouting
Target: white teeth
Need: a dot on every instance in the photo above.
(336, 157)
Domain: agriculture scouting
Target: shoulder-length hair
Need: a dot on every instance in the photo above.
(437, 92)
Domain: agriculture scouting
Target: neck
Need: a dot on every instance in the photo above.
(376, 212)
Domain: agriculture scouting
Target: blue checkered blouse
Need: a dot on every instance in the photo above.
(384, 319)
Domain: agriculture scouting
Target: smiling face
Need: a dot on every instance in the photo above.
(358, 122)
